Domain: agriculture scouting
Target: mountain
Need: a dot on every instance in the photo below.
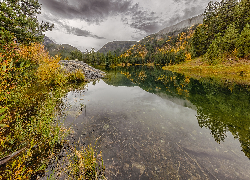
(121, 46)
(116, 46)
(47, 41)
(171, 45)
(58, 49)
(181, 25)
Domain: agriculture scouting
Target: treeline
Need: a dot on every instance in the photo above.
(224, 34)
(169, 49)
(164, 50)
(96, 58)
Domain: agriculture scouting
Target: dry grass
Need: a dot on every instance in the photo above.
(237, 71)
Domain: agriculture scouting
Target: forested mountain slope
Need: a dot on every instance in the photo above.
(116, 46)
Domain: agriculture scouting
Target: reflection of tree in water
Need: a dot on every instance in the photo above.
(222, 110)
(219, 108)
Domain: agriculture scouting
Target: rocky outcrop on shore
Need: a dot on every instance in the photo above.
(90, 72)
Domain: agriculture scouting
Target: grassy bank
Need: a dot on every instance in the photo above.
(237, 71)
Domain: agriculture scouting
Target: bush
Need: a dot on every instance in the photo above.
(31, 86)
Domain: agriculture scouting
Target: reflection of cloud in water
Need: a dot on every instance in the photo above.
(144, 136)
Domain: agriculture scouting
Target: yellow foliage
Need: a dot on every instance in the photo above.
(48, 69)
(187, 80)
(188, 56)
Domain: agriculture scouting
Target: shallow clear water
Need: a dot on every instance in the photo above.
(158, 134)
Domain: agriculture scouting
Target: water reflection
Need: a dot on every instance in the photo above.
(220, 107)
(145, 122)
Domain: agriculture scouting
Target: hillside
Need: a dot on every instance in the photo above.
(181, 25)
(47, 41)
(169, 46)
(58, 49)
(116, 46)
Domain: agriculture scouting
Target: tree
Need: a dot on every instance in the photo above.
(76, 55)
(243, 14)
(19, 19)
(243, 42)
(199, 41)
(214, 52)
(229, 39)
(223, 30)
(218, 16)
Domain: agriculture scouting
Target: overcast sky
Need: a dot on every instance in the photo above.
(88, 24)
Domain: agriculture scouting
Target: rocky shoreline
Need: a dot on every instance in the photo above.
(90, 72)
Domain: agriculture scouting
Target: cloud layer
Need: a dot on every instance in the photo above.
(117, 19)
(88, 10)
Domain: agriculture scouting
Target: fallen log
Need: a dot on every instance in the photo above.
(9, 157)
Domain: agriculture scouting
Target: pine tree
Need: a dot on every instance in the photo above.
(243, 42)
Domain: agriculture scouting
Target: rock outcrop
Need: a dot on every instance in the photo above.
(90, 72)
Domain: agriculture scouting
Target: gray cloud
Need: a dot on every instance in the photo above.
(186, 1)
(195, 10)
(93, 11)
(149, 24)
(70, 30)
(142, 18)
(80, 32)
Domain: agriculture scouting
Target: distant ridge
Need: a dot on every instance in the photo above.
(47, 41)
(58, 49)
(121, 46)
(181, 25)
(118, 46)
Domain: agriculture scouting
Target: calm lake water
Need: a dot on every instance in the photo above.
(155, 124)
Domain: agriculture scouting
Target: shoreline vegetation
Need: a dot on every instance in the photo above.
(32, 82)
(232, 71)
(32, 85)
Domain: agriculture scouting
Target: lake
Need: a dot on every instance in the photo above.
(155, 124)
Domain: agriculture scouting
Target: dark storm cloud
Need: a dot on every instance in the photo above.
(195, 10)
(95, 11)
(71, 30)
(80, 32)
(145, 22)
(90, 10)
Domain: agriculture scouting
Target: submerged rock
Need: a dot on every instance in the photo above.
(74, 65)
